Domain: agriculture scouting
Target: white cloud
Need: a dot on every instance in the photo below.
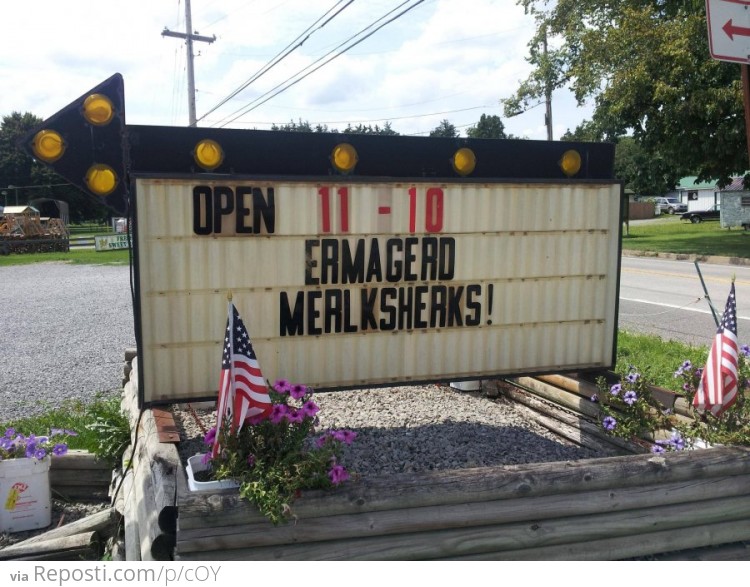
(443, 60)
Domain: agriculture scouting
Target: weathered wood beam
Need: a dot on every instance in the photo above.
(434, 518)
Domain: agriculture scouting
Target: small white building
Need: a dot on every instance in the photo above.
(697, 195)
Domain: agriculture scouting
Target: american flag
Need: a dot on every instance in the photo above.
(718, 387)
(242, 389)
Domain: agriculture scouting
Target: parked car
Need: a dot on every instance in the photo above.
(696, 216)
(669, 205)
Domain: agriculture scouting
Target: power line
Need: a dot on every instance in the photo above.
(283, 54)
(291, 81)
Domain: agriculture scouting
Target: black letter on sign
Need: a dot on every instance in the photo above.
(265, 209)
(473, 304)
(290, 322)
(447, 258)
(242, 210)
(226, 194)
(202, 209)
(310, 262)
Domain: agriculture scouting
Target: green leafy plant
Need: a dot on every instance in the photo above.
(277, 455)
(629, 410)
(111, 429)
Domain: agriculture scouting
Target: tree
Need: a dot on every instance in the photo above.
(647, 67)
(444, 129)
(370, 130)
(301, 127)
(488, 127)
(36, 180)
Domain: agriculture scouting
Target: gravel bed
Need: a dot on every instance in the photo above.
(64, 334)
(419, 428)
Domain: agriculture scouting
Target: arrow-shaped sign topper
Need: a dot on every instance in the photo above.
(86, 143)
(729, 30)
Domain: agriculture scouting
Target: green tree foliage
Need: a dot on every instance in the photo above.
(444, 129)
(36, 180)
(488, 127)
(361, 129)
(302, 126)
(647, 68)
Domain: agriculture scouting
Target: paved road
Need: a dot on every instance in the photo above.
(666, 298)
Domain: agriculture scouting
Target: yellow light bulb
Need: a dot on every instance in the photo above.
(48, 146)
(101, 179)
(344, 157)
(98, 109)
(464, 161)
(208, 154)
(570, 162)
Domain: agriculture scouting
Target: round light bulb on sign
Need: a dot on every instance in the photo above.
(48, 146)
(98, 109)
(101, 179)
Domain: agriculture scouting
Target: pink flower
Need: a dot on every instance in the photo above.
(298, 391)
(337, 474)
(282, 386)
(278, 413)
(321, 440)
(310, 408)
(294, 416)
(206, 458)
(345, 436)
(210, 436)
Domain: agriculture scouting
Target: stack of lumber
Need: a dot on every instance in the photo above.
(83, 539)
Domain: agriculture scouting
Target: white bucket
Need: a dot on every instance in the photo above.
(25, 500)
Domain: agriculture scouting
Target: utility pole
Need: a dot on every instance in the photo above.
(189, 38)
(547, 92)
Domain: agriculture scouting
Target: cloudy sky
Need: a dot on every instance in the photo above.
(440, 60)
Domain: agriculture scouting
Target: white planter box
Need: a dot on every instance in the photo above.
(195, 465)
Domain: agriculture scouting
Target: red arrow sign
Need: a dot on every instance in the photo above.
(732, 30)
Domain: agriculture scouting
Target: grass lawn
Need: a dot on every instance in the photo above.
(84, 257)
(672, 235)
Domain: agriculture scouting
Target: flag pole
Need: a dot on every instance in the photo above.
(229, 295)
(705, 291)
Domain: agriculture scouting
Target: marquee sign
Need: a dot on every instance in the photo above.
(360, 260)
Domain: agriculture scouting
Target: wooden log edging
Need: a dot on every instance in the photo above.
(152, 485)
(446, 514)
(79, 475)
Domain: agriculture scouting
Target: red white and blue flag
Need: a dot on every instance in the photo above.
(242, 389)
(718, 387)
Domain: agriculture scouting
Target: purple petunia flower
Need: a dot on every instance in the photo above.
(609, 423)
(56, 432)
(250, 460)
(633, 377)
(278, 413)
(70, 432)
(206, 458)
(298, 391)
(657, 449)
(321, 440)
(745, 350)
(30, 450)
(59, 449)
(630, 397)
(687, 366)
(615, 389)
(309, 409)
(677, 441)
(256, 419)
(10, 432)
(282, 386)
(294, 416)
(594, 398)
(337, 474)
(210, 436)
(40, 453)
